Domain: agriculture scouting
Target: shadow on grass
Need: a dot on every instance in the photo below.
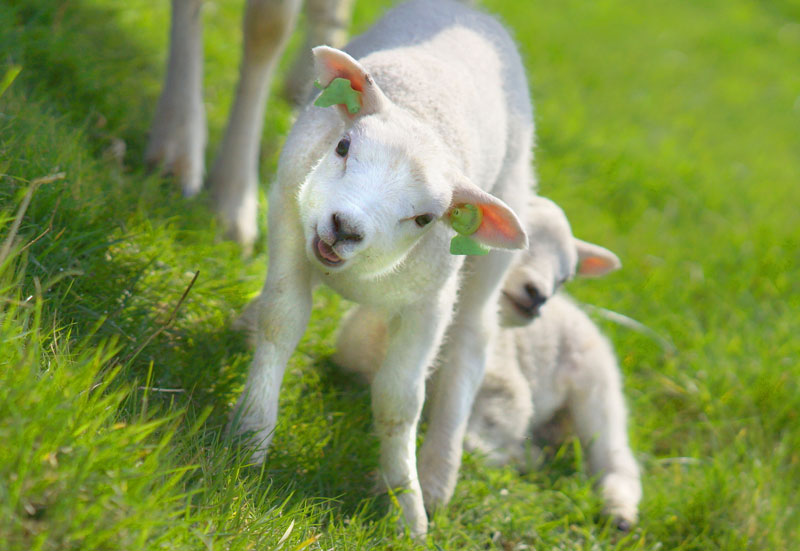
(324, 450)
(75, 57)
(335, 455)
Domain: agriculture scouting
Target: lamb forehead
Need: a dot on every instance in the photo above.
(401, 153)
(549, 232)
(399, 130)
(551, 256)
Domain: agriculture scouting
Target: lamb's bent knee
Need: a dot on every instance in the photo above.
(395, 406)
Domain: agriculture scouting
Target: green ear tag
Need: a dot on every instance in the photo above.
(339, 92)
(461, 244)
(466, 220)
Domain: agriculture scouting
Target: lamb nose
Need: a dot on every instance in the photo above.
(536, 298)
(343, 230)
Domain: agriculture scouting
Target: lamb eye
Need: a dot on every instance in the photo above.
(343, 147)
(423, 220)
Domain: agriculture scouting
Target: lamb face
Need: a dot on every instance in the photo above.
(550, 260)
(383, 182)
(373, 195)
(553, 257)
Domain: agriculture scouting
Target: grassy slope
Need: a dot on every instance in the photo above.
(668, 131)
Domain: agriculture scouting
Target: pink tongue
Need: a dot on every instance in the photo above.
(327, 252)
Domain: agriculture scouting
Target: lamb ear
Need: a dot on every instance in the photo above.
(499, 228)
(594, 260)
(331, 63)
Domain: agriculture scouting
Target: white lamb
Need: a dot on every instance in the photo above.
(362, 203)
(550, 356)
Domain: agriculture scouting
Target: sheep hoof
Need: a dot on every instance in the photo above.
(623, 525)
(179, 152)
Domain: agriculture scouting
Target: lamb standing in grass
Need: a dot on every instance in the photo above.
(550, 356)
(362, 203)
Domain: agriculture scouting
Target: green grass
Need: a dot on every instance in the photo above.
(668, 131)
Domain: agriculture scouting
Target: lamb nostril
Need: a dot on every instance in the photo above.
(537, 298)
(343, 231)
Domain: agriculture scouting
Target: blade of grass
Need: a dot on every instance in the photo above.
(8, 78)
(26, 201)
(166, 324)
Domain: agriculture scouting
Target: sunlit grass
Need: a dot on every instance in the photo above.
(668, 131)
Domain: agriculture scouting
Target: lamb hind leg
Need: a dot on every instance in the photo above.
(502, 409)
(234, 176)
(361, 344)
(178, 135)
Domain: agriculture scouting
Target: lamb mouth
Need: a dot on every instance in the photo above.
(325, 253)
(529, 311)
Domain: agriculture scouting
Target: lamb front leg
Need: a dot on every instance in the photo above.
(178, 136)
(398, 392)
(503, 408)
(597, 407)
(280, 315)
(458, 378)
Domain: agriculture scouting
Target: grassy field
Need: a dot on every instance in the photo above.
(668, 131)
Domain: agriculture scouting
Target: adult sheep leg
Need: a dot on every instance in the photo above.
(328, 21)
(457, 379)
(281, 314)
(234, 176)
(178, 135)
(398, 392)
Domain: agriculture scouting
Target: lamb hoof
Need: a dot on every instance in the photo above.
(234, 197)
(180, 158)
(239, 221)
(623, 525)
